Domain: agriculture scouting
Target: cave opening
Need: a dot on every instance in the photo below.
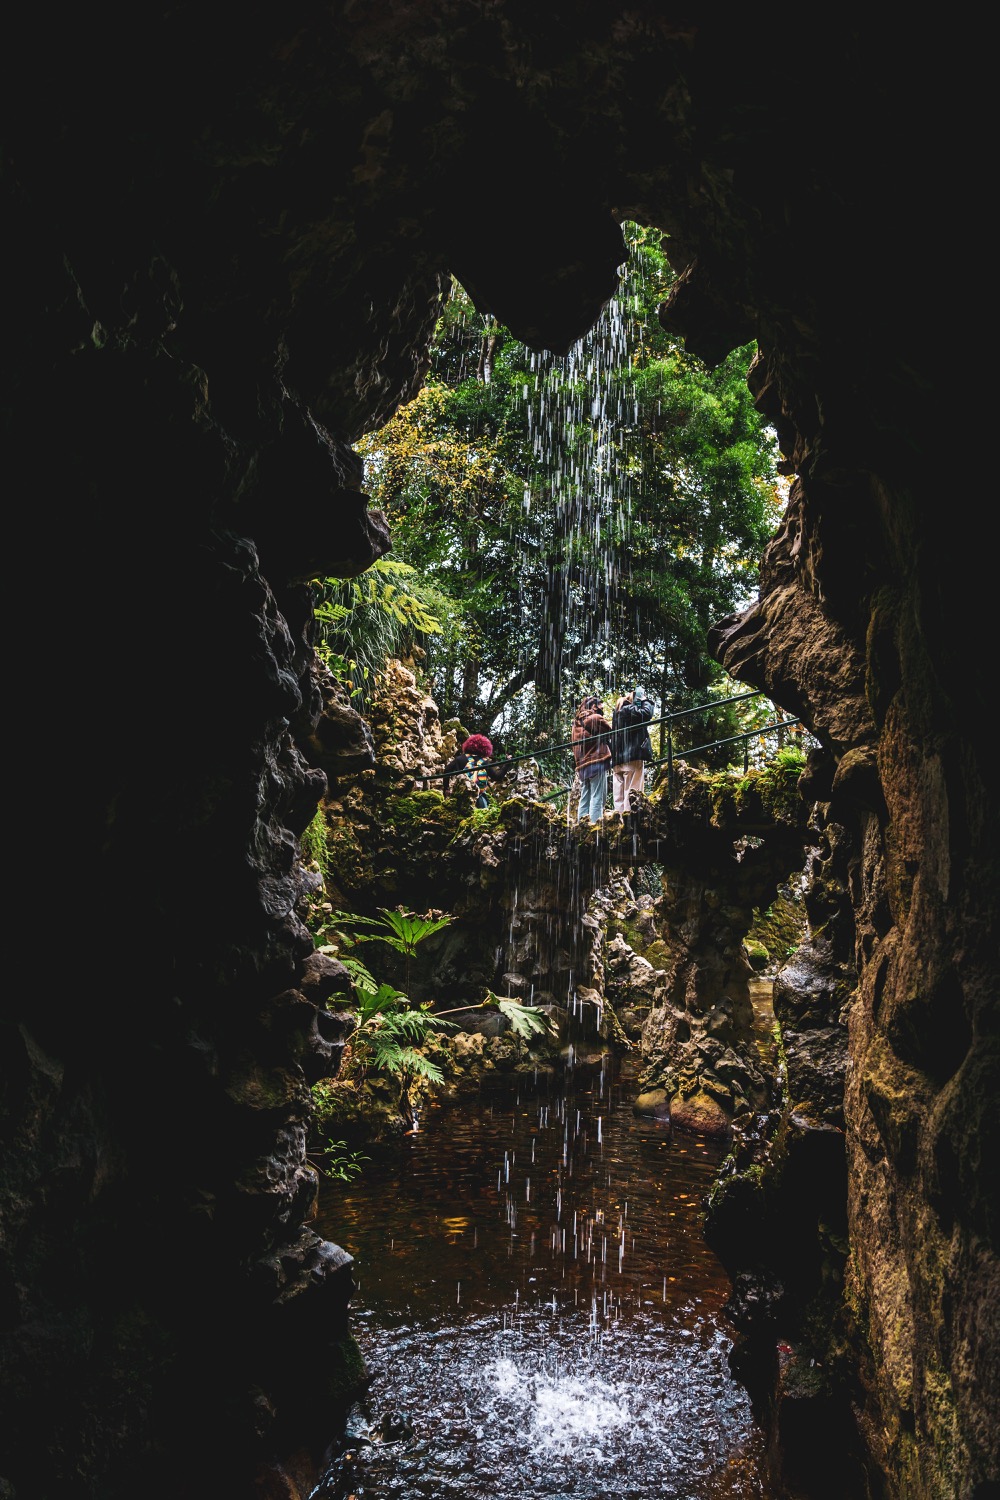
(228, 248)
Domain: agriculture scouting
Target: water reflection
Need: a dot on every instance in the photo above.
(538, 1310)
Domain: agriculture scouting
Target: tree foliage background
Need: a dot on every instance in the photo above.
(573, 523)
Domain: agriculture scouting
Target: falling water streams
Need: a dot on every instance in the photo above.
(577, 412)
(535, 1302)
(537, 1307)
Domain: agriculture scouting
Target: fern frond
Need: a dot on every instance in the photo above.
(361, 978)
(418, 1024)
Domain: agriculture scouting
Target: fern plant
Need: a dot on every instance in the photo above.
(362, 621)
(390, 1032)
(790, 757)
(402, 930)
(386, 1039)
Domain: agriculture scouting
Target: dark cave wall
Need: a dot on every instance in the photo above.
(228, 242)
(917, 1023)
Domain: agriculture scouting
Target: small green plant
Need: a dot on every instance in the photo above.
(335, 1160)
(790, 757)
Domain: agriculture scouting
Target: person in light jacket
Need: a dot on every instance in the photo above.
(589, 741)
(631, 747)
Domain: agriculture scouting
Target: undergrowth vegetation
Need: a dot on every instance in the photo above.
(388, 1047)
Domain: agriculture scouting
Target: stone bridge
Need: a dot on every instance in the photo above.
(638, 921)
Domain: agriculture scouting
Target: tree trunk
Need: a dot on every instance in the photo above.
(487, 355)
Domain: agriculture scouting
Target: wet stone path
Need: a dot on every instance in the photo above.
(537, 1308)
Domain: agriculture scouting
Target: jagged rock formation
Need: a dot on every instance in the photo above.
(228, 239)
(778, 1213)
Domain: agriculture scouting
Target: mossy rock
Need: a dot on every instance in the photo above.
(758, 955)
(781, 928)
(658, 954)
(654, 1104)
(356, 1113)
(700, 1113)
(418, 807)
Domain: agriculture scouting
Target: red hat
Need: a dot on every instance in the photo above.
(477, 744)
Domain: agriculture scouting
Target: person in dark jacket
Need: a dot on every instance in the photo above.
(475, 762)
(589, 741)
(631, 747)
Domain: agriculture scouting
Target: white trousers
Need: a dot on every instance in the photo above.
(625, 779)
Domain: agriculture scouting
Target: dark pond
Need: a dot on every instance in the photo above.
(535, 1300)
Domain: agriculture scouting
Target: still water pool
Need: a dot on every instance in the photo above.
(538, 1310)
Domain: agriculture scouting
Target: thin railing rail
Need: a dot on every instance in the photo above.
(543, 751)
(746, 737)
(688, 752)
(546, 750)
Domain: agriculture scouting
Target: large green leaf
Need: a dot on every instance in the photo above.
(526, 1020)
(382, 1002)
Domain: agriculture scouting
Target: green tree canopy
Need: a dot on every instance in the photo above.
(589, 516)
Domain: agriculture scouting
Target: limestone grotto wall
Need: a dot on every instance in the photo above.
(228, 236)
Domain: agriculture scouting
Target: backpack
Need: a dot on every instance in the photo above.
(475, 769)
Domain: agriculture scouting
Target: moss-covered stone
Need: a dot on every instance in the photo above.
(758, 954)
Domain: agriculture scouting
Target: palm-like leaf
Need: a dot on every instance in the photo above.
(378, 1002)
(526, 1020)
(409, 928)
(402, 930)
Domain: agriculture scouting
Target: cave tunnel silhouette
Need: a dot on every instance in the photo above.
(228, 243)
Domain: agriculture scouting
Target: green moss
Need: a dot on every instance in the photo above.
(749, 1181)
(315, 843)
(757, 953)
(781, 928)
(416, 807)
(768, 794)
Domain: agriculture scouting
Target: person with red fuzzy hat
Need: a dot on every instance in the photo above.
(475, 762)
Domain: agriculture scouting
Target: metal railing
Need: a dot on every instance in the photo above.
(667, 720)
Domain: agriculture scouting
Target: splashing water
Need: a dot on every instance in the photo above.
(569, 1344)
(567, 1416)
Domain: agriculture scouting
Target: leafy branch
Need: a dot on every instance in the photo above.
(526, 1020)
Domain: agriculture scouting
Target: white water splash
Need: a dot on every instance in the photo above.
(566, 1416)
